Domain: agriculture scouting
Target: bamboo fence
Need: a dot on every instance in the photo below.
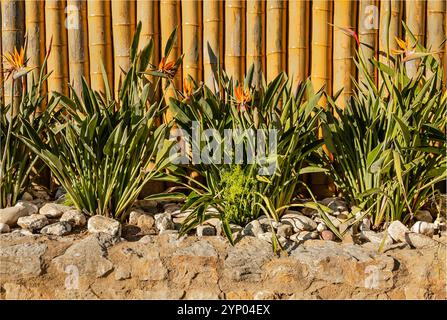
(304, 38)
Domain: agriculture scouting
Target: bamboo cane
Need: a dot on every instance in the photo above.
(58, 59)
(77, 43)
(343, 63)
(390, 13)
(122, 38)
(320, 68)
(170, 11)
(256, 39)
(212, 38)
(235, 39)
(148, 14)
(35, 32)
(436, 28)
(276, 38)
(1, 62)
(367, 26)
(13, 26)
(100, 42)
(298, 51)
(192, 38)
(415, 20)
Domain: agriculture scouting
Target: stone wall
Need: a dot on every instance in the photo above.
(91, 266)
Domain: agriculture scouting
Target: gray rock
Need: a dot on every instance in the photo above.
(335, 204)
(33, 222)
(205, 230)
(397, 231)
(74, 217)
(424, 228)
(321, 227)
(4, 228)
(53, 210)
(100, 224)
(299, 222)
(164, 222)
(27, 196)
(284, 230)
(171, 207)
(133, 217)
(440, 223)
(419, 241)
(145, 221)
(266, 236)
(10, 215)
(180, 216)
(265, 223)
(423, 215)
(307, 235)
(376, 237)
(365, 225)
(57, 229)
(21, 260)
(254, 228)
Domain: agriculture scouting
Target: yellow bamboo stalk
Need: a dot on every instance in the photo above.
(192, 38)
(235, 39)
(276, 38)
(389, 9)
(436, 27)
(58, 59)
(77, 43)
(212, 38)
(170, 11)
(35, 32)
(148, 14)
(1, 62)
(256, 39)
(100, 42)
(343, 63)
(298, 51)
(13, 26)
(415, 20)
(122, 26)
(320, 47)
(321, 68)
(367, 26)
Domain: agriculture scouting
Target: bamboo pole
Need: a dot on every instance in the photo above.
(298, 51)
(321, 69)
(35, 32)
(170, 11)
(343, 63)
(212, 39)
(256, 39)
(122, 26)
(148, 14)
(276, 38)
(77, 43)
(1, 62)
(13, 26)
(436, 28)
(367, 26)
(235, 39)
(415, 20)
(58, 59)
(390, 12)
(100, 42)
(192, 38)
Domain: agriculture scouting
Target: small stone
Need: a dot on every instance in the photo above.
(10, 215)
(4, 228)
(284, 230)
(254, 228)
(74, 217)
(419, 241)
(440, 223)
(265, 223)
(53, 210)
(365, 225)
(216, 223)
(133, 217)
(205, 230)
(27, 196)
(29, 206)
(321, 227)
(57, 229)
(376, 237)
(397, 231)
(423, 215)
(343, 215)
(327, 235)
(307, 235)
(335, 204)
(97, 224)
(171, 207)
(33, 222)
(299, 222)
(122, 273)
(265, 295)
(60, 192)
(424, 228)
(179, 216)
(164, 222)
(266, 236)
(146, 221)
